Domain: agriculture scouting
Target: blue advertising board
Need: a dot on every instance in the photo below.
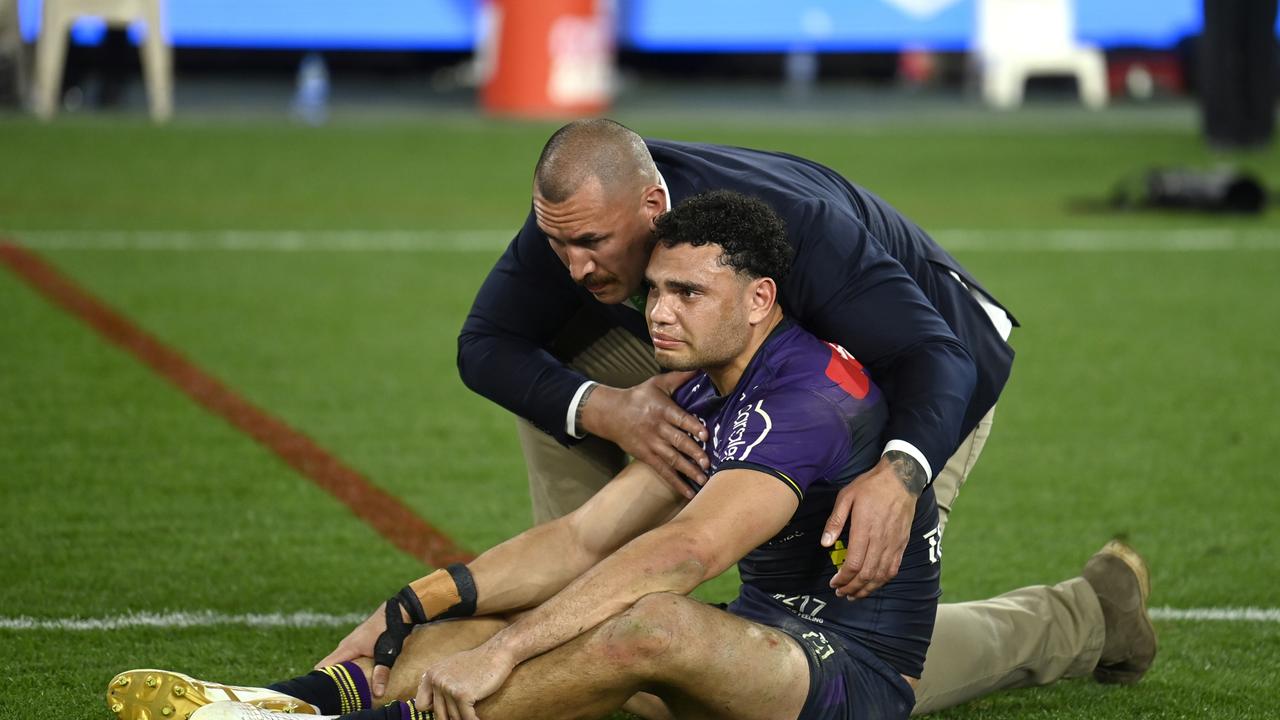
(301, 24)
(644, 25)
(877, 25)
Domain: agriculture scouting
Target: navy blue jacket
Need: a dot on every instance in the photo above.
(864, 277)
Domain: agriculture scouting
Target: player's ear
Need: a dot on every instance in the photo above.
(764, 295)
(654, 203)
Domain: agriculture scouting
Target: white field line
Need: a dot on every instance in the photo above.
(208, 618)
(170, 620)
(270, 241)
(956, 239)
(1228, 614)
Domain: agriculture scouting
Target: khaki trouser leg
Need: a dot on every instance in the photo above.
(560, 478)
(947, 484)
(1030, 636)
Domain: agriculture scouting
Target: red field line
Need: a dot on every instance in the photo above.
(377, 508)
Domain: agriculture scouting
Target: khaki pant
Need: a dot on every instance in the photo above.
(1030, 636)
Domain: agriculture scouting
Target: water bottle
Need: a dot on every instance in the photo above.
(311, 99)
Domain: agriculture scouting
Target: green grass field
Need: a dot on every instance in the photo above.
(1144, 398)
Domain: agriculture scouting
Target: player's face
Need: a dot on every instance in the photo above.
(698, 309)
(604, 241)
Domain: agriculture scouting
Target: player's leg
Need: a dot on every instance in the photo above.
(560, 478)
(430, 643)
(427, 644)
(702, 661)
(143, 694)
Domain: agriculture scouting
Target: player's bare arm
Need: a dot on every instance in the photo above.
(737, 510)
(531, 567)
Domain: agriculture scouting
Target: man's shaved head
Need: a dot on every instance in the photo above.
(597, 148)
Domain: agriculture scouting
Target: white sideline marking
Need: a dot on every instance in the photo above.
(1229, 614)
(271, 241)
(1102, 241)
(208, 618)
(204, 618)
(955, 239)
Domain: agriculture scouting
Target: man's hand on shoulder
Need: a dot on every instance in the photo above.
(649, 426)
(879, 506)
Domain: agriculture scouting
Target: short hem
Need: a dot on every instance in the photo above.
(846, 680)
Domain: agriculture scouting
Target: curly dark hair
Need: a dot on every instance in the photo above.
(750, 234)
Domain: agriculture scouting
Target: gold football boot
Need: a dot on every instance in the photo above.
(167, 695)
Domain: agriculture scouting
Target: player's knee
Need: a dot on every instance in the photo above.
(672, 610)
(645, 632)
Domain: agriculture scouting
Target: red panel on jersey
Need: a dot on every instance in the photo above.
(847, 372)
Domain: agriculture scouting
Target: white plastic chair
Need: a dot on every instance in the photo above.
(51, 51)
(1018, 39)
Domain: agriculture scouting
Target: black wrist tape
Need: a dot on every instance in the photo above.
(466, 586)
(412, 606)
(405, 602)
(391, 641)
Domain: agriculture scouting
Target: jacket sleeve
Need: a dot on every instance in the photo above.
(844, 287)
(521, 306)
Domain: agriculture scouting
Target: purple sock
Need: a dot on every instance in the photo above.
(337, 689)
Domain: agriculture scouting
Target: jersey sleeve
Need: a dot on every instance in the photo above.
(796, 436)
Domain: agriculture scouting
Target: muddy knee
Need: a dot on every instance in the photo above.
(646, 632)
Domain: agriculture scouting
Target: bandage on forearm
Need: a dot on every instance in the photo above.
(447, 593)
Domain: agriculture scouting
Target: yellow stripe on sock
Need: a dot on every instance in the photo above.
(417, 714)
(350, 684)
(335, 673)
(352, 689)
(340, 677)
(337, 683)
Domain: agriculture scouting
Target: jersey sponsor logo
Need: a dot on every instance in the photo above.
(934, 537)
(844, 370)
(838, 553)
(796, 535)
(703, 443)
(806, 606)
(821, 646)
(737, 434)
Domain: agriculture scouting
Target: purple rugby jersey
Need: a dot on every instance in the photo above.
(805, 412)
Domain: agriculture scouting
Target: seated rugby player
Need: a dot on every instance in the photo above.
(601, 593)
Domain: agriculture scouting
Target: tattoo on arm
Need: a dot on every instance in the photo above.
(582, 406)
(909, 471)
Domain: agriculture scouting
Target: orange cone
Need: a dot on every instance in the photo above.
(547, 58)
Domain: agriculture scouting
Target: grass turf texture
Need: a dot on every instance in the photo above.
(1142, 401)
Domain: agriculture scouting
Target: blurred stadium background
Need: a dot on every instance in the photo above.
(311, 225)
